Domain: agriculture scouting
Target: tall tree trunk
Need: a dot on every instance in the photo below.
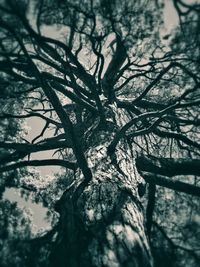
(101, 222)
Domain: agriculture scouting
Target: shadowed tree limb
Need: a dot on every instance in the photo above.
(31, 114)
(171, 184)
(167, 166)
(150, 208)
(45, 162)
(48, 144)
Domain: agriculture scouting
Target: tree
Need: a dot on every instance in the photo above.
(120, 105)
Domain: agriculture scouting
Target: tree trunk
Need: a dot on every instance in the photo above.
(101, 222)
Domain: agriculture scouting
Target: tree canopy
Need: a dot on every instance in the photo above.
(108, 73)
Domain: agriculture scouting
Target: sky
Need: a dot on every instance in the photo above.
(37, 210)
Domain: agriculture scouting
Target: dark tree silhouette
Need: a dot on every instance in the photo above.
(120, 106)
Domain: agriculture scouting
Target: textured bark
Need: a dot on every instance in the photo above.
(101, 222)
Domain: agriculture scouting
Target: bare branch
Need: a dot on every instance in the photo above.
(44, 162)
(168, 166)
(29, 115)
(177, 136)
(171, 184)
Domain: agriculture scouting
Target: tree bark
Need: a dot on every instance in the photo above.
(101, 221)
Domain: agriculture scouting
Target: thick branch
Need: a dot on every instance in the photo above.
(130, 105)
(150, 207)
(117, 61)
(168, 166)
(47, 144)
(174, 185)
(45, 162)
